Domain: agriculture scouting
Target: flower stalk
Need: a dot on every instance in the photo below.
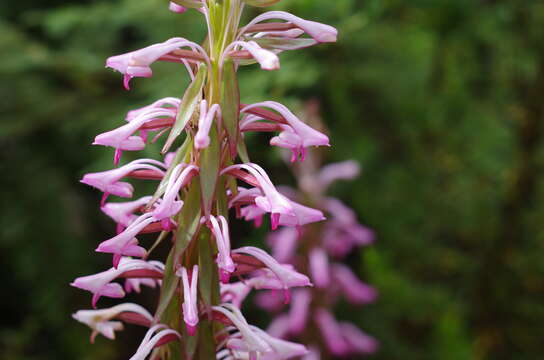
(203, 158)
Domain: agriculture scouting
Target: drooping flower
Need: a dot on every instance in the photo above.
(137, 63)
(101, 284)
(157, 335)
(285, 275)
(100, 320)
(320, 32)
(125, 243)
(295, 135)
(109, 181)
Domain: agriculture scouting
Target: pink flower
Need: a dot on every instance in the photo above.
(135, 283)
(108, 181)
(319, 267)
(357, 340)
(170, 204)
(279, 327)
(332, 333)
(123, 212)
(202, 139)
(267, 59)
(320, 32)
(137, 63)
(296, 135)
(272, 201)
(298, 313)
(281, 349)
(101, 284)
(313, 354)
(99, 320)
(125, 243)
(283, 274)
(355, 290)
(122, 138)
(170, 103)
(234, 293)
(190, 305)
(247, 340)
(151, 341)
(346, 170)
(176, 8)
(283, 243)
(222, 238)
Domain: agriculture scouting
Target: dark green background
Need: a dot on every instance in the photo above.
(440, 100)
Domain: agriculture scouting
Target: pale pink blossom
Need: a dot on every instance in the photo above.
(122, 138)
(170, 103)
(202, 138)
(320, 32)
(331, 332)
(109, 181)
(267, 59)
(296, 135)
(299, 311)
(357, 340)
(101, 284)
(125, 243)
(171, 204)
(283, 243)
(354, 289)
(221, 233)
(234, 293)
(284, 274)
(123, 212)
(176, 8)
(248, 341)
(190, 305)
(137, 63)
(100, 320)
(280, 326)
(151, 340)
(271, 201)
(319, 267)
(345, 170)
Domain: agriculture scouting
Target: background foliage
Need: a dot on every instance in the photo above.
(440, 101)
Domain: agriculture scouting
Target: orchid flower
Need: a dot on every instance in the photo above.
(101, 284)
(320, 32)
(190, 308)
(137, 63)
(286, 276)
(100, 320)
(108, 181)
(150, 341)
(221, 234)
(296, 135)
(126, 243)
(202, 140)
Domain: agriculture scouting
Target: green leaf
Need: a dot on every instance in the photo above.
(242, 150)
(189, 3)
(187, 106)
(261, 3)
(208, 278)
(230, 104)
(209, 170)
(276, 43)
(188, 223)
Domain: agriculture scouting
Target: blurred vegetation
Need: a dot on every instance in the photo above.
(440, 100)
